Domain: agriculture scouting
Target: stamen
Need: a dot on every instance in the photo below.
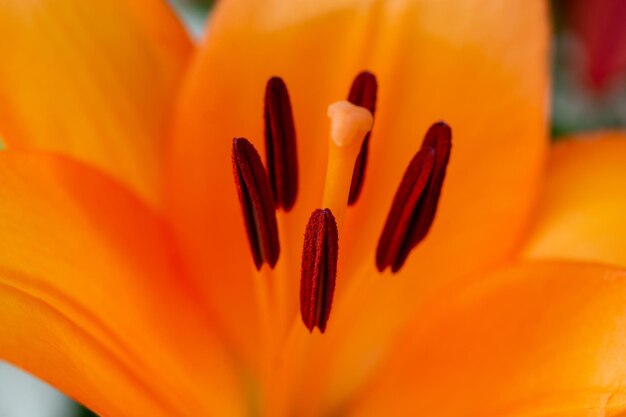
(280, 144)
(362, 93)
(349, 124)
(257, 203)
(415, 203)
(401, 215)
(319, 269)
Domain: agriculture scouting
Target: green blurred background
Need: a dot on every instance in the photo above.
(589, 92)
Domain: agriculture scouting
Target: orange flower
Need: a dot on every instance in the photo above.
(126, 277)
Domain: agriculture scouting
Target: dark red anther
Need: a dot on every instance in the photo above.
(319, 269)
(405, 204)
(415, 203)
(280, 144)
(257, 203)
(362, 93)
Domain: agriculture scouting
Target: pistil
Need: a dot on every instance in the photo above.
(349, 125)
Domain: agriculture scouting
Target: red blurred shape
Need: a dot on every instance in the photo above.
(600, 26)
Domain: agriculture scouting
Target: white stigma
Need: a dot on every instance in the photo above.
(349, 123)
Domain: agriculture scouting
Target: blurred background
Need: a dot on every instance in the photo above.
(588, 65)
(589, 92)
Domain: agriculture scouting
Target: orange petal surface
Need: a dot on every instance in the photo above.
(94, 300)
(484, 74)
(94, 80)
(536, 339)
(583, 205)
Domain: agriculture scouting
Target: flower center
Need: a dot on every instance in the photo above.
(261, 192)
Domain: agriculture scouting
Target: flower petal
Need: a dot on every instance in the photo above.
(537, 339)
(88, 284)
(483, 73)
(487, 77)
(94, 80)
(497, 115)
(582, 212)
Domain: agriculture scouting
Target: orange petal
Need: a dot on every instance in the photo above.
(538, 339)
(95, 81)
(480, 66)
(582, 212)
(88, 287)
